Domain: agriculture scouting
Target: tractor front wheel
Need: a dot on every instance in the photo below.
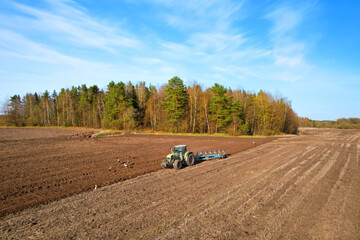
(177, 164)
(190, 160)
(164, 164)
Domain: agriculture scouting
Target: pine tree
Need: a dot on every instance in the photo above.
(119, 112)
(175, 102)
(220, 108)
(15, 111)
(237, 118)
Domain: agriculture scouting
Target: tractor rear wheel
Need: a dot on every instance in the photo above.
(190, 160)
(177, 164)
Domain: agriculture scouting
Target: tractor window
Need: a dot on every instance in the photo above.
(180, 149)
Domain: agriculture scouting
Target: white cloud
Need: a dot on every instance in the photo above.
(37, 65)
(202, 49)
(285, 19)
(16, 45)
(148, 61)
(71, 23)
(289, 53)
(203, 15)
(216, 42)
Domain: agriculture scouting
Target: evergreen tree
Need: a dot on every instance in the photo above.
(53, 109)
(119, 112)
(84, 106)
(239, 128)
(175, 102)
(220, 108)
(31, 110)
(15, 111)
(94, 110)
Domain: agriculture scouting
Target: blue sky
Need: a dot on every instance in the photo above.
(307, 51)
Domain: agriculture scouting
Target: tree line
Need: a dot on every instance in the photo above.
(341, 123)
(172, 107)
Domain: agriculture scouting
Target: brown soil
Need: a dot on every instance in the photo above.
(39, 165)
(301, 187)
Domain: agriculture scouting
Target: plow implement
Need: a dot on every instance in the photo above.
(203, 156)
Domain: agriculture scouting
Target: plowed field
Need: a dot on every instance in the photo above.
(39, 165)
(300, 187)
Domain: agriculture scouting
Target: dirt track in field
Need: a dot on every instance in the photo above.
(40, 165)
(301, 187)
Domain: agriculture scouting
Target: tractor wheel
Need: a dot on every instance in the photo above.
(190, 160)
(164, 164)
(177, 164)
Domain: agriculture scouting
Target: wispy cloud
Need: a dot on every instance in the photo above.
(38, 63)
(18, 46)
(202, 15)
(212, 45)
(69, 21)
(48, 46)
(212, 39)
(285, 19)
(216, 42)
(289, 53)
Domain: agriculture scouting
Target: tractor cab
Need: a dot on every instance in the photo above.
(179, 151)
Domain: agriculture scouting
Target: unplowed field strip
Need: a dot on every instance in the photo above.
(300, 187)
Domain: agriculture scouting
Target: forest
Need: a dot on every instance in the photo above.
(172, 107)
